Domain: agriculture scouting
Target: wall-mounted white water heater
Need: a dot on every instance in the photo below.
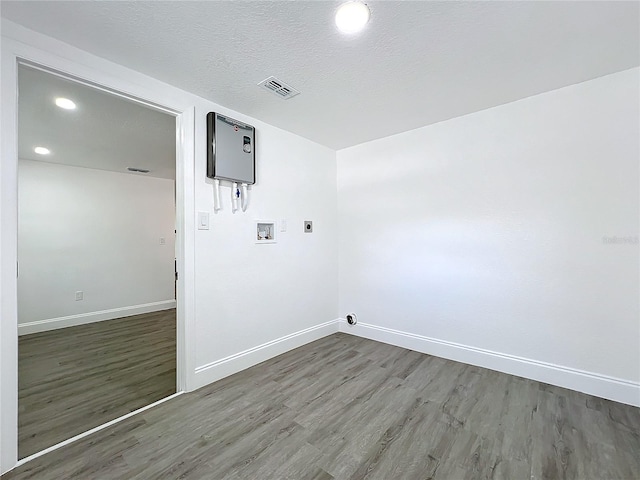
(230, 150)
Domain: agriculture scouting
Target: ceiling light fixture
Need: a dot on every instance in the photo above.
(42, 151)
(65, 103)
(352, 17)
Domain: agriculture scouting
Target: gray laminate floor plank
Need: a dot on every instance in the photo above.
(76, 378)
(347, 408)
(574, 444)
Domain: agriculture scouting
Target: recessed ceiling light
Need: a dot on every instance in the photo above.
(65, 103)
(42, 151)
(351, 17)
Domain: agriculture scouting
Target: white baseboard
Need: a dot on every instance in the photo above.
(84, 318)
(603, 386)
(224, 367)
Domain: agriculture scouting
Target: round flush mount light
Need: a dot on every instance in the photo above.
(352, 17)
(65, 103)
(42, 151)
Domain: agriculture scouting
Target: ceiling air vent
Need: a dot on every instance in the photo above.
(279, 88)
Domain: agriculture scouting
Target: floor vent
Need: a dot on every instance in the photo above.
(279, 88)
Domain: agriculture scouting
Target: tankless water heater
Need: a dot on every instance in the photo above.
(230, 149)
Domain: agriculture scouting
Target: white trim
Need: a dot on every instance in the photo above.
(224, 367)
(619, 390)
(185, 244)
(9, 258)
(94, 430)
(91, 317)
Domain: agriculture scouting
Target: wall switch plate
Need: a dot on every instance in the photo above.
(283, 225)
(203, 220)
(79, 295)
(308, 226)
(163, 241)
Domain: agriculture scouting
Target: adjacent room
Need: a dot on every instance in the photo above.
(320, 240)
(96, 252)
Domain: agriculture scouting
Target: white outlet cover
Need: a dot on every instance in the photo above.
(203, 220)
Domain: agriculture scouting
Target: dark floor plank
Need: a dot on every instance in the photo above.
(348, 408)
(74, 379)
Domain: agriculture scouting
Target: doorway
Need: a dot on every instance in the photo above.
(96, 249)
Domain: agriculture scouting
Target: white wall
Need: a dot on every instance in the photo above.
(94, 231)
(247, 294)
(487, 231)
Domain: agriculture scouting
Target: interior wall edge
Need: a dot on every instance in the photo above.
(603, 386)
(92, 317)
(227, 366)
(8, 263)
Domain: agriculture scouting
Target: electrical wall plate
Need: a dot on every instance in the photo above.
(308, 226)
(265, 231)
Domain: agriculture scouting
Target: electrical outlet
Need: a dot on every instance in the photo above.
(79, 295)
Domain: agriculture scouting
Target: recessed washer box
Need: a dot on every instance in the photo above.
(265, 231)
(231, 152)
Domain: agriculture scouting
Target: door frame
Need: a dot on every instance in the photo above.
(21, 46)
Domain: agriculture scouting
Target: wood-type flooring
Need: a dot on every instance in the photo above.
(344, 407)
(73, 379)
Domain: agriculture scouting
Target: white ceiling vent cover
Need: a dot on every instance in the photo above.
(278, 87)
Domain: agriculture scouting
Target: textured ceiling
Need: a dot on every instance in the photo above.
(416, 63)
(104, 131)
